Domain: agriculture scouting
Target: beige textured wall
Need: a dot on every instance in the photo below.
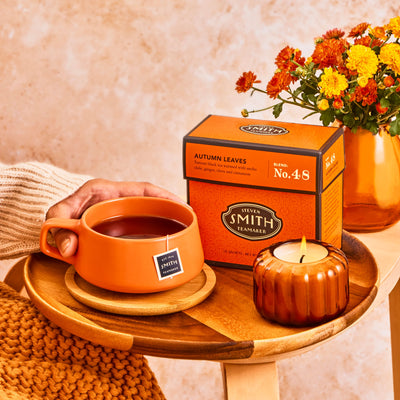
(109, 88)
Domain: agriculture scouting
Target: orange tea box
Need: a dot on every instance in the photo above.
(253, 183)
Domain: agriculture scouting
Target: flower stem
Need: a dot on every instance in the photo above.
(297, 103)
(256, 89)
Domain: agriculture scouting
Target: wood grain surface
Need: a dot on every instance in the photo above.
(165, 302)
(225, 326)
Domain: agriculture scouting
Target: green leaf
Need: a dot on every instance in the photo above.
(308, 90)
(349, 120)
(394, 99)
(385, 102)
(376, 49)
(394, 127)
(312, 99)
(277, 109)
(297, 91)
(327, 117)
(372, 126)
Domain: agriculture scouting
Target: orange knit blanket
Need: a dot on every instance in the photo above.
(38, 360)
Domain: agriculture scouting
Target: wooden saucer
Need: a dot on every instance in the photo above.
(166, 302)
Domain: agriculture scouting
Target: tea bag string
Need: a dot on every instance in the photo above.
(167, 242)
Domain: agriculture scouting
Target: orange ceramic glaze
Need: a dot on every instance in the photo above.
(127, 265)
(301, 294)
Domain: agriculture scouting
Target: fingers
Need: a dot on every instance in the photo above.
(90, 193)
(74, 205)
(66, 242)
(156, 191)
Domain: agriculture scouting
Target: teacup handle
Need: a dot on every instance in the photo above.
(64, 223)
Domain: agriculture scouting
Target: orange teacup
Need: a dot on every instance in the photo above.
(133, 244)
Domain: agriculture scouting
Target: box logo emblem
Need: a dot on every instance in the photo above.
(251, 221)
(268, 130)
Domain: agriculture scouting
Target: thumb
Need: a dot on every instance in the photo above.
(66, 242)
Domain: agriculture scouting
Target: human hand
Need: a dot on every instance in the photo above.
(90, 193)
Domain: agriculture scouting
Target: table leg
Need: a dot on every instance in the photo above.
(394, 308)
(250, 381)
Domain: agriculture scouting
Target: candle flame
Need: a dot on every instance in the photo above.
(303, 246)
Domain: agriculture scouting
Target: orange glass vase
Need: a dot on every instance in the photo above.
(371, 180)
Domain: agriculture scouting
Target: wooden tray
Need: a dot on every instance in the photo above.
(225, 326)
(166, 302)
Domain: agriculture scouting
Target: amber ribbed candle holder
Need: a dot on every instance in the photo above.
(301, 293)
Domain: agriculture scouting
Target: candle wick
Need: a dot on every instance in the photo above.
(302, 258)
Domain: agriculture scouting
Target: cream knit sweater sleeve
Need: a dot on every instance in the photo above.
(27, 191)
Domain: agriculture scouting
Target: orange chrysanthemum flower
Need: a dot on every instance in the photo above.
(366, 95)
(329, 53)
(368, 42)
(279, 82)
(388, 81)
(338, 103)
(246, 81)
(284, 60)
(380, 109)
(333, 34)
(359, 30)
(378, 32)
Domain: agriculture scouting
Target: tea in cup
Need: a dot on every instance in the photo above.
(133, 244)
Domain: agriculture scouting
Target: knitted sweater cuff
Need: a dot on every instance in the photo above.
(27, 191)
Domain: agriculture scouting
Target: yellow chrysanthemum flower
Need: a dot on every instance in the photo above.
(363, 60)
(390, 55)
(332, 83)
(394, 26)
(362, 81)
(323, 105)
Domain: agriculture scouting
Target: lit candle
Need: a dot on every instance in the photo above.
(301, 285)
(301, 252)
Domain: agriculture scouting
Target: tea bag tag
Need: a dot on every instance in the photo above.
(168, 264)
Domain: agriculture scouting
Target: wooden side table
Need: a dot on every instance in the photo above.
(385, 246)
(226, 326)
